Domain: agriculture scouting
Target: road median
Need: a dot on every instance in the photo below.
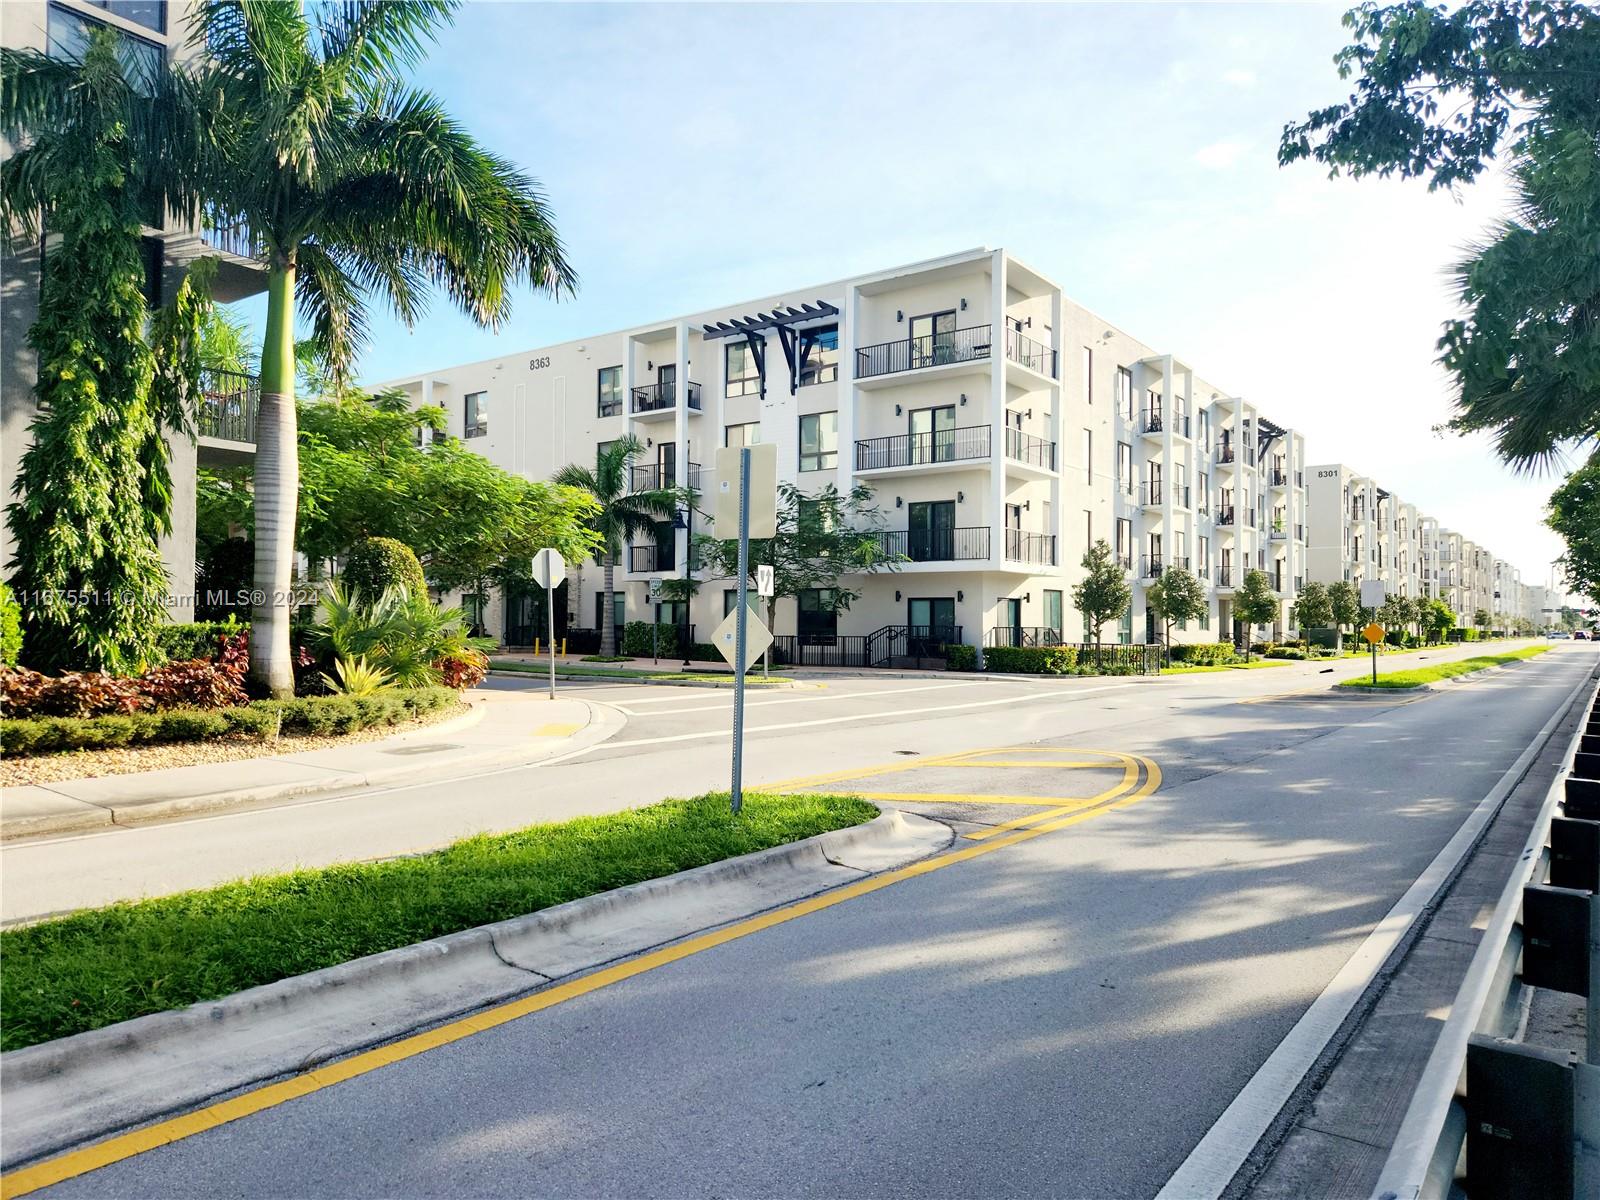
(1425, 677)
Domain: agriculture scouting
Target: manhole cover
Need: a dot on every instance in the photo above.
(433, 749)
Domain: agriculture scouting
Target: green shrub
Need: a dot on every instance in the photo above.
(1204, 654)
(961, 658)
(10, 627)
(1031, 660)
(374, 566)
(639, 642)
(1293, 652)
(197, 639)
(1469, 635)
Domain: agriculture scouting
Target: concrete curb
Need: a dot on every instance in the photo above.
(604, 722)
(74, 1089)
(776, 685)
(1438, 685)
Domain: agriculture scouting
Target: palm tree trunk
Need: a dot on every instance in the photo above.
(277, 491)
(608, 622)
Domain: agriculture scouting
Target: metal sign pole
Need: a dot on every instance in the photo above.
(744, 610)
(550, 612)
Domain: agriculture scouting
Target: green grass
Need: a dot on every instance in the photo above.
(1253, 664)
(580, 672)
(1465, 666)
(106, 965)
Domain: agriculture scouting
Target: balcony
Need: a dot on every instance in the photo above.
(1280, 532)
(967, 444)
(973, 344)
(1151, 566)
(643, 560)
(1029, 450)
(1038, 549)
(1229, 454)
(1225, 515)
(655, 477)
(1036, 356)
(658, 400)
(966, 544)
(1124, 559)
(226, 417)
(1154, 494)
(1278, 478)
(1154, 422)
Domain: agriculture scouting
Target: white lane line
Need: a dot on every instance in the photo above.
(1213, 1163)
(726, 704)
(704, 735)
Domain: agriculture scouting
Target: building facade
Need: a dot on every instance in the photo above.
(154, 34)
(1002, 429)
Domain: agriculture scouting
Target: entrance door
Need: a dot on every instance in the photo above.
(931, 623)
(932, 531)
(1011, 621)
(933, 339)
(667, 377)
(933, 437)
(666, 465)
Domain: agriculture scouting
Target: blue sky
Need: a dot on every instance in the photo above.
(700, 154)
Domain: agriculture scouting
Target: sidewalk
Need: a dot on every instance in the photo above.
(503, 728)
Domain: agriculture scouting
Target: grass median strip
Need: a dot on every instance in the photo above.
(106, 965)
(1419, 676)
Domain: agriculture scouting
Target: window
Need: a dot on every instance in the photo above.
(618, 609)
(819, 355)
(739, 363)
(1052, 611)
(1205, 558)
(1124, 543)
(610, 389)
(817, 618)
(1205, 433)
(730, 600)
(475, 422)
(1205, 616)
(1088, 375)
(67, 37)
(1125, 626)
(1125, 393)
(1088, 455)
(737, 436)
(1088, 529)
(1125, 467)
(819, 441)
(152, 14)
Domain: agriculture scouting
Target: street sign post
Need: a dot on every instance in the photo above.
(654, 589)
(1374, 634)
(549, 570)
(765, 585)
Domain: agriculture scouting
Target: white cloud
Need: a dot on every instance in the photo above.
(1219, 156)
(1240, 77)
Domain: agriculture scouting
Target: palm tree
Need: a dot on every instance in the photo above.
(347, 183)
(623, 514)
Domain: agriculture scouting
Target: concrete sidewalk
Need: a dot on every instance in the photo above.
(503, 728)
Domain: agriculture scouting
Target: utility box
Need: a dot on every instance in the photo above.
(1575, 854)
(1519, 1121)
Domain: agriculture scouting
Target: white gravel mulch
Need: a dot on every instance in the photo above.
(87, 764)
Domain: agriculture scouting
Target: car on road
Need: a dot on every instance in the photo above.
(1557, 635)
(1581, 636)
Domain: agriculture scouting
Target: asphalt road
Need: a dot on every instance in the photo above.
(676, 743)
(1065, 1016)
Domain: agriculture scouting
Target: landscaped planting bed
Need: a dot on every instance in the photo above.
(1423, 675)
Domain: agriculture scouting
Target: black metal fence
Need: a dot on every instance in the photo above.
(651, 477)
(651, 558)
(812, 650)
(1036, 356)
(915, 449)
(910, 641)
(1037, 548)
(657, 397)
(1022, 635)
(930, 350)
(1026, 448)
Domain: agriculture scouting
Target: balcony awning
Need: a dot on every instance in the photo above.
(781, 319)
(1267, 433)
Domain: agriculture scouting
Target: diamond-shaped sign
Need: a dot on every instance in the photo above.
(726, 639)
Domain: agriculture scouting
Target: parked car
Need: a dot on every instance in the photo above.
(1581, 635)
(1557, 635)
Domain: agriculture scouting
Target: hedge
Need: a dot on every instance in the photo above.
(260, 719)
(1204, 654)
(10, 627)
(639, 642)
(961, 658)
(1031, 660)
(198, 639)
(377, 564)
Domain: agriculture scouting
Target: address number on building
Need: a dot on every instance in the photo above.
(539, 364)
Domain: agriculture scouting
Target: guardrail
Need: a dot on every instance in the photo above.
(1493, 1118)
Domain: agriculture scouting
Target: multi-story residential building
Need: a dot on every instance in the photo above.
(155, 33)
(1002, 429)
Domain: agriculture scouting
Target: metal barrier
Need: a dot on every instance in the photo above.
(1491, 1118)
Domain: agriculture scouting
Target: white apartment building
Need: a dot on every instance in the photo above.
(1001, 427)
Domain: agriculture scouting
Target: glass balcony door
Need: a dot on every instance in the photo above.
(933, 434)
(931, 526)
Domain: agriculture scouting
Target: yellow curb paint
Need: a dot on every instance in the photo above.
(162, 1133)
(967, 798)
(1069, 764)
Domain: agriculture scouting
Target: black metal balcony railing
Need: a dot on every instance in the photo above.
(936, 545)
(1155, 421)
(643, 559)
(1152, 566)
(931, 350)
(919, 449)
(652, 477)
(1224, 576)
(1225, 514)
(1279, 530)
(1124, 559)
(229, 401)
(1280, 477)
(1155, 493)
(1224, 452)
(1036, 356)
(663, 397)
(1024, 547)
(1026, 448)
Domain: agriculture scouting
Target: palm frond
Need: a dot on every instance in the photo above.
(370, 41)
(332, 301)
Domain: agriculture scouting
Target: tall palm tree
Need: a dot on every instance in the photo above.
(623, 514)
(348, 182)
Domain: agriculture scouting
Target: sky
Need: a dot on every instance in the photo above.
(697, 155)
